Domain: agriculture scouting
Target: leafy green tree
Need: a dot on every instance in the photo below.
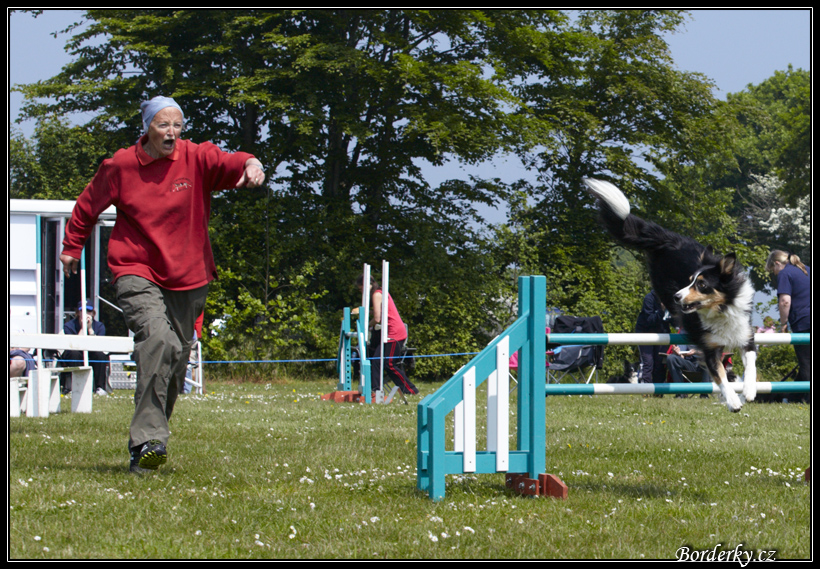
(750, 193)
(618, 111)
(343, 107)
(775, 134)
(773, 152)
(288, 329)
(59, 160)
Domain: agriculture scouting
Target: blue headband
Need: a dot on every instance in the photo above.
(155, 105)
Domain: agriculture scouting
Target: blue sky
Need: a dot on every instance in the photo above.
(736, 48)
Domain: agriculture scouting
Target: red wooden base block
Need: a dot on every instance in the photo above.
(808, 474)
(553, 486)
(344, 397)
(520, 484)
(545, 485)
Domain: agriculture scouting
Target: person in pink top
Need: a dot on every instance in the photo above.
(393, 347)
(159, 253)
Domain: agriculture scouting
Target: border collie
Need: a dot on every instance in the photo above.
(710, 294)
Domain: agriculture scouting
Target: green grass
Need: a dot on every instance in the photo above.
(271, 471)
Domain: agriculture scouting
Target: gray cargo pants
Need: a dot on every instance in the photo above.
(163, 325)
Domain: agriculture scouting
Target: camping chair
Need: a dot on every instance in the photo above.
(574, 362)
(579, 363)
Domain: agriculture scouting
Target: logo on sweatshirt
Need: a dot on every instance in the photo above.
(181, 184)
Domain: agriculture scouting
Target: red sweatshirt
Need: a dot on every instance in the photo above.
(163, 207)
(395, 326)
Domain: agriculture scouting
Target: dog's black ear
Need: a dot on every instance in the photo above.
(728, 265)
(705, 254)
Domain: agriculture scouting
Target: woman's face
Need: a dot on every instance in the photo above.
(163, 132)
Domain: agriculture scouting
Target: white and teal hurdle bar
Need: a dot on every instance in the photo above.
(667, 388)
(457, 397)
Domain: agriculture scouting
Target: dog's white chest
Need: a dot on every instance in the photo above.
(730, 328)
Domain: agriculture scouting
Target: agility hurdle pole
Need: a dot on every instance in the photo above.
(344, 386)
(671, 388)
(344, 353)
(364, 335)
(38, 275)
(383, 331)
(629, 339)
(83, 326)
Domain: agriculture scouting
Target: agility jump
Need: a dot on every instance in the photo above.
(524, 467)
(359, 318)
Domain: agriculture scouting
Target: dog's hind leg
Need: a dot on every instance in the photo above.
(749, 372)
(718, 373)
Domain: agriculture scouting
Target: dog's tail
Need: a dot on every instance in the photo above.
(612, 200)
(625, 227)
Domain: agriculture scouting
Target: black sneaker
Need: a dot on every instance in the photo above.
(134, 467)
(152, 455)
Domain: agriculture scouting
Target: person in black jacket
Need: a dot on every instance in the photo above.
(653, 318)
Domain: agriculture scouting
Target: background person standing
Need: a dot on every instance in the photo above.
(653, 318)
(794, 303)
(393, 348)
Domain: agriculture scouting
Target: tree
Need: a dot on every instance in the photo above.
(753, 187)
(775, 138)
(58, 161)
(619, 110)
(773, 151)
(772, 220)
(343, 106)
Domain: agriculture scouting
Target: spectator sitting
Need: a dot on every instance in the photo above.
(680, 359)
(20, 362)
(97, 360)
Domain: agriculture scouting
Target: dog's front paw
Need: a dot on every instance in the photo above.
(749, 390)
(733, 402)
(734, 408)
